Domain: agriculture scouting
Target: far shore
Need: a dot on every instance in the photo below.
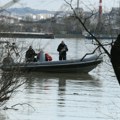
(68, 36)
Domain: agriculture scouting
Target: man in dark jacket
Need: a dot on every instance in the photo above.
(30, 54)
(62, 49)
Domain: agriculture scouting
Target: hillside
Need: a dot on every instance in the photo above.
(27, 10)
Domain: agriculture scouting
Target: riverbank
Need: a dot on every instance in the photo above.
(26, 35)
(68, 36)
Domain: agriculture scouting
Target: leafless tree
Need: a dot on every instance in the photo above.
(9, 82)
(82, 22)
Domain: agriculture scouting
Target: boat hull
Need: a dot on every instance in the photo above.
(66, 66)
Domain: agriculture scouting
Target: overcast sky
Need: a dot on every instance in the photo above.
(60, 4)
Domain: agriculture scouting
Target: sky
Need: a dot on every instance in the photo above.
(56, 5)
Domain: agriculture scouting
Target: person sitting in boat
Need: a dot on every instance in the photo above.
(41, 56)
(48, 57)
(62, 49)
(30, 55)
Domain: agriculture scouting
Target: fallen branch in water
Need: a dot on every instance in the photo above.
(18, 104)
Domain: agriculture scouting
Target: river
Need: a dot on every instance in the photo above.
(45, 96)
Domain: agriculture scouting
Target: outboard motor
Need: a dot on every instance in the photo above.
(7, 60)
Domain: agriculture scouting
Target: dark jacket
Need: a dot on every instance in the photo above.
(30, 54)
(62, 49)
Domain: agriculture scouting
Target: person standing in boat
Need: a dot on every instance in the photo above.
(62, 49)
(30, 55)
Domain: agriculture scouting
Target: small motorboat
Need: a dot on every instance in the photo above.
(66, 66)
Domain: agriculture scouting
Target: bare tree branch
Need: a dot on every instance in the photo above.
(9, 83)
(82, 23)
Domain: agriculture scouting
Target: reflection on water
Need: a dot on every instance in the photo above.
(62, 79)
(59, 96)
(62, 97)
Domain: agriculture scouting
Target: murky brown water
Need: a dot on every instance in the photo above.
(93, 96)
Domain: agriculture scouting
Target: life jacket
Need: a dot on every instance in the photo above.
(48, 57)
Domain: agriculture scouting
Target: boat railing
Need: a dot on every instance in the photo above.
(98, 56)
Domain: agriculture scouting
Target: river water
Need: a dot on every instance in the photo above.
(58, 96)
